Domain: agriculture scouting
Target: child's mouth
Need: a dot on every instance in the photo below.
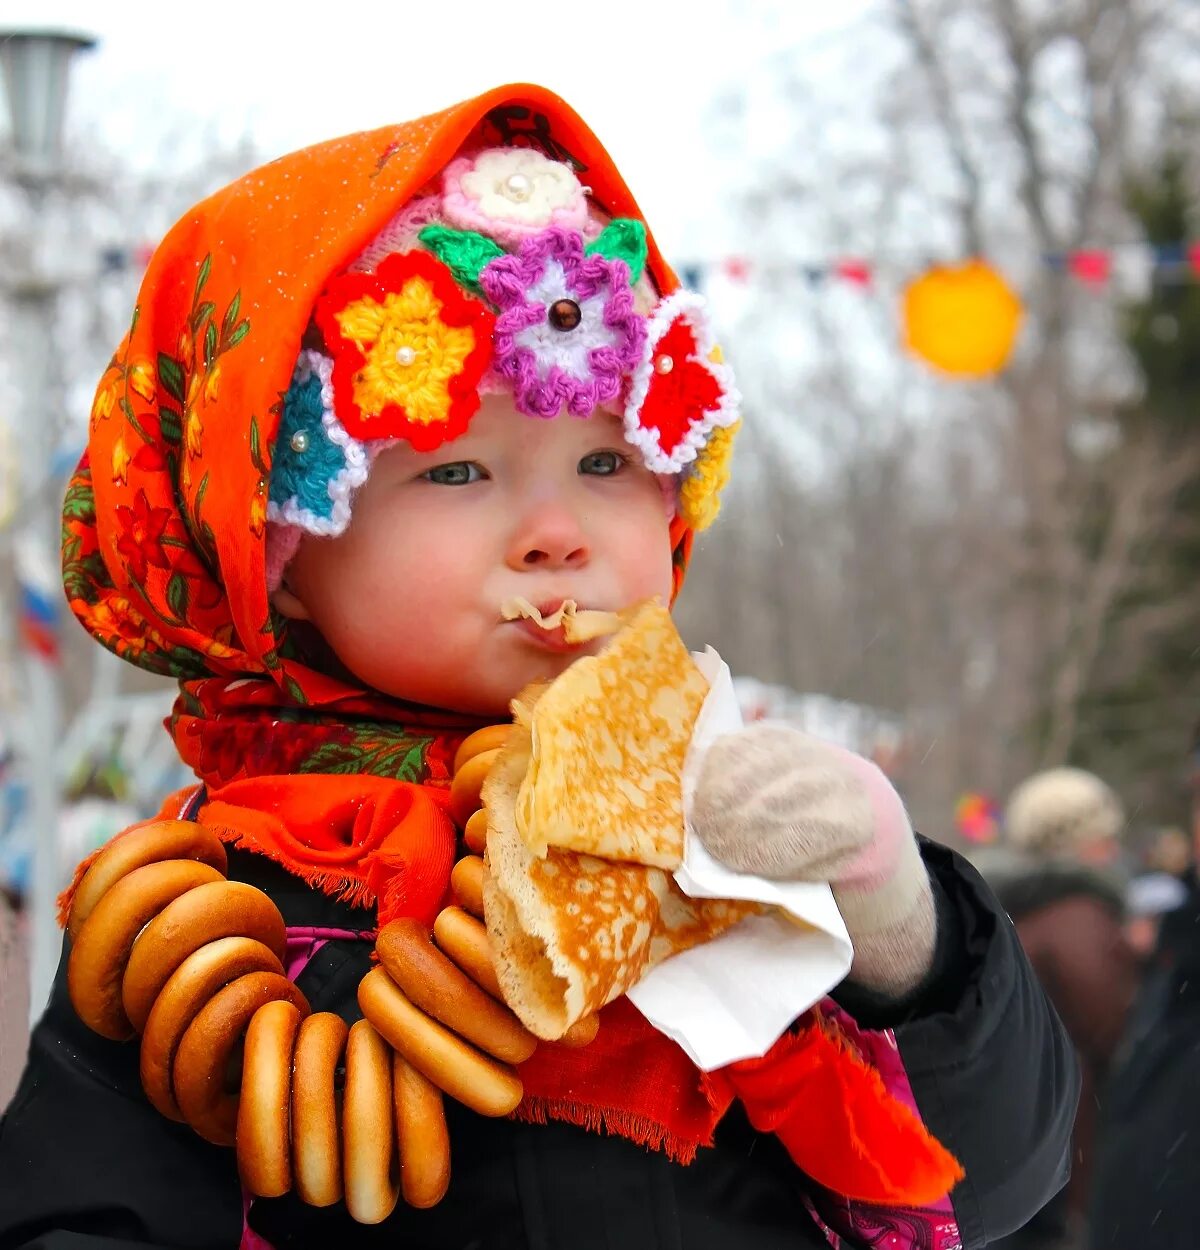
(559, 624)
(554, 639)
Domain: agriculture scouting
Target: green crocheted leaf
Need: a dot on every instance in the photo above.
(622, 239)
(464, 252)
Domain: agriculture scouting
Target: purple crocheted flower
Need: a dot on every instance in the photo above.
(566, 331)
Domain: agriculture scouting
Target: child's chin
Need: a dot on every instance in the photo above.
(537, 666)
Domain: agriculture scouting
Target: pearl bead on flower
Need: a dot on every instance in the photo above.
(664, 363)
(405, 355)
(518, 187)
(299, 442)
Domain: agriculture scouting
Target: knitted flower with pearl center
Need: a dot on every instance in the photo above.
(317, 465)
(566, 330)
(409, 348)
(682, 391)
(510, 193)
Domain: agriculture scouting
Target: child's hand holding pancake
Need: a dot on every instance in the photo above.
(780, 804)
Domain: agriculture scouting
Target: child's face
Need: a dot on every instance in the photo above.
(409, 597)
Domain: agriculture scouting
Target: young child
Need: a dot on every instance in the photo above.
(371, 393)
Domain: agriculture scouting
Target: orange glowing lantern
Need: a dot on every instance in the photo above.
(962, 319)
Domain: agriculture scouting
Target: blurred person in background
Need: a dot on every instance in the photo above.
(1159, 889)
(1147, 1162)
(1149, 898)
(1057, 877)
(1171, 850)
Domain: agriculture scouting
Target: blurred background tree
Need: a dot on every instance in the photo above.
(1137, 721)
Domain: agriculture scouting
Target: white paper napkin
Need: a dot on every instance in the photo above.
(730, 998)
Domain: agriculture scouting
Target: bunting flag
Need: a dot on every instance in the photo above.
(1093, 267)
(977, 818)
(118, 258)
(39, 589)
(851, 269)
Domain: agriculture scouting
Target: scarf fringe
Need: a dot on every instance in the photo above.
(336, 885)
(67, 897)
(640, 1130)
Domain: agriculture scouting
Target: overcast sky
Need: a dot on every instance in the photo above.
(641, 72)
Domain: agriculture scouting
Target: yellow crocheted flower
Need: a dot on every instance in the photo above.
(408, 348)
(410, 353)
(700, 494)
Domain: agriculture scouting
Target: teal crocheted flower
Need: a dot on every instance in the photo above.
(317, 466)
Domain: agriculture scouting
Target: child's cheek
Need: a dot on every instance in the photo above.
(452, 552)
(643, 553)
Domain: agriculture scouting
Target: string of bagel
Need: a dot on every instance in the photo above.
(166, 949)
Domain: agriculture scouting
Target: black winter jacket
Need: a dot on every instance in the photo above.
(1148, 1158)
(87, 1164)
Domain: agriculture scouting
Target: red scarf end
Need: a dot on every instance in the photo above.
(840, 1123)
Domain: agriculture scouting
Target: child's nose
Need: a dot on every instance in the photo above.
(552, 538)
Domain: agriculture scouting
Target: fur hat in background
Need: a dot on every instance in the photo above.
(1054, 811)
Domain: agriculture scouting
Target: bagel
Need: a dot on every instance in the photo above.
(316, 1140)
(491, 738)
(467, 783)
(101, 949)
(466, 884)
(202, 915)
(134, 848)
(368, 1133)
(465, 941)
(475, 832)
(485, 1085)
(422, 1135)
(264, 1102)
(201, 1074)
(435, 984)
(191, 985)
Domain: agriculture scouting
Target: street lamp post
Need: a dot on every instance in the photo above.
(36, 65)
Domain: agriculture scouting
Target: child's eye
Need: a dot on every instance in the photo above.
(457, 473)
(602, 463)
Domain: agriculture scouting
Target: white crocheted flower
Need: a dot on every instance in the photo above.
(510, 193)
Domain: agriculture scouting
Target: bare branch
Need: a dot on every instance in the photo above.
(929, 59)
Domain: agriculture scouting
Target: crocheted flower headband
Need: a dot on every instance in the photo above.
(502, 279)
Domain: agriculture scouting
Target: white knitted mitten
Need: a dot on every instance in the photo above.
(779, 803)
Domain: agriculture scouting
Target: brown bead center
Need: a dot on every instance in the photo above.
(565, 314)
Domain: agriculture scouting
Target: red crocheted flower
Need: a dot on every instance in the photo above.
(681, 391)
(408, 348)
